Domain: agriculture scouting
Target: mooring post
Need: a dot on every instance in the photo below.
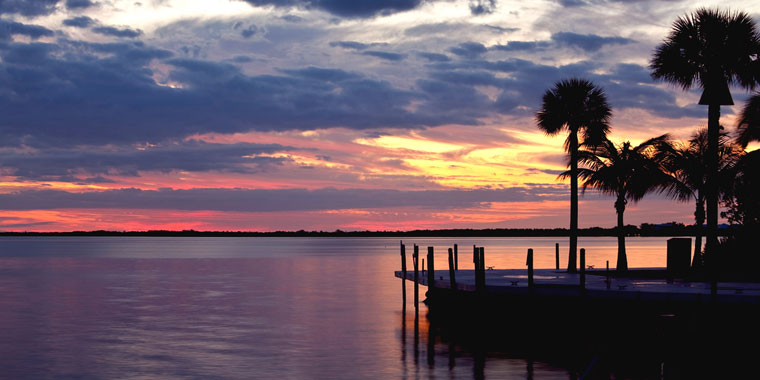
(431, 271)
(608, 275)
(556, 254)
(482, 262)
(416, 262)
(456, 257)
(475, 261)
(403, 272)
(452, 275)
(530, 270)
(583, 271)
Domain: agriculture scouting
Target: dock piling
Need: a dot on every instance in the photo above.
(416, 262)
(482, 262)
(556, 254)
(607, 281)
(452, 275)
(583, 270)
(403, 271)
(431, 270)
(530, 270)
(456, 257)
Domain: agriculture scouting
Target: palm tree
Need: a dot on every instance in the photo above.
(749, 122)
(627, 172)
(686, 162)
(711, 49)
(578, 106)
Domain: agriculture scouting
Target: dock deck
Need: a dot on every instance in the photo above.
(557, 283)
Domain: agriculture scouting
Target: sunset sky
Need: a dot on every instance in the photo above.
(319, 114)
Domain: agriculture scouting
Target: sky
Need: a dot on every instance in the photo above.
(260, 115)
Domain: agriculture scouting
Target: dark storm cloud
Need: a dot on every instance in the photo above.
(480, 7)
(79, 4)
(587, 42)
(28, 8)
(388, 56)
(354, 45)
(434, 57)
(346, 8)
(244, 200)
(192, 156)
(10, 28)
(117, 32)
(79, 22)
(106, 93)
(469, 49)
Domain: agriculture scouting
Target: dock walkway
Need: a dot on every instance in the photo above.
(557, 283)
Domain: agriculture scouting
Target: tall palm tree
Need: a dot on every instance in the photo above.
(687, 163)
(627, 172)
(711, 49)
(580, 107)
(749, 122)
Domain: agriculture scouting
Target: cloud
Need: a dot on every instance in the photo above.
(480, 7)
(587, 42)
(346, 8)
(28, 8)
(354, 45)
(469, 49)
(11, 28)
(79, 4)
(116, 32)
(79, 22)
(80, 165)
(523, 46)
(259, 200)
(434, 57)
(388, 56)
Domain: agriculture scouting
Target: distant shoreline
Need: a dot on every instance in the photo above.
(645, 230)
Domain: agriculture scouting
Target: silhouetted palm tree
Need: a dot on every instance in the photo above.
(711, 49)
(627, 172)
(578, 106)
(749, 122)
(687, 163)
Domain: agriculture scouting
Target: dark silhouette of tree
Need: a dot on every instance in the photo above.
(579, 107)
(627, 172)
(711, 49)
(749, 122)
(687, 163)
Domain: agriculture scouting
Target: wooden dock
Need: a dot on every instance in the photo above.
(554, 283)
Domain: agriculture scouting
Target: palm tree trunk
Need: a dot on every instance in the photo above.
(713, 129)
(622, 259)
(699, 219)
(572, 256)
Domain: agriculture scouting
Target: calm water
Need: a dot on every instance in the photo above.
(269, 308)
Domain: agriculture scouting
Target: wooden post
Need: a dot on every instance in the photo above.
(530, 270)
(556, 254)
(452, 276)
(475, 261)
(403, 272)
(456, 257)
(416, 262)
(431, 270)
(583, 271)
(608, 274)
(482, 262)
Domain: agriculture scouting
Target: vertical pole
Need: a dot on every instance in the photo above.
(456, 257)
(452, 276)
(403, 272)
(475, 261)
(431, 270)
(482, 261)
(583, 271)
(556, 254)
(530, 270)
(608, 274)
(416, 263)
